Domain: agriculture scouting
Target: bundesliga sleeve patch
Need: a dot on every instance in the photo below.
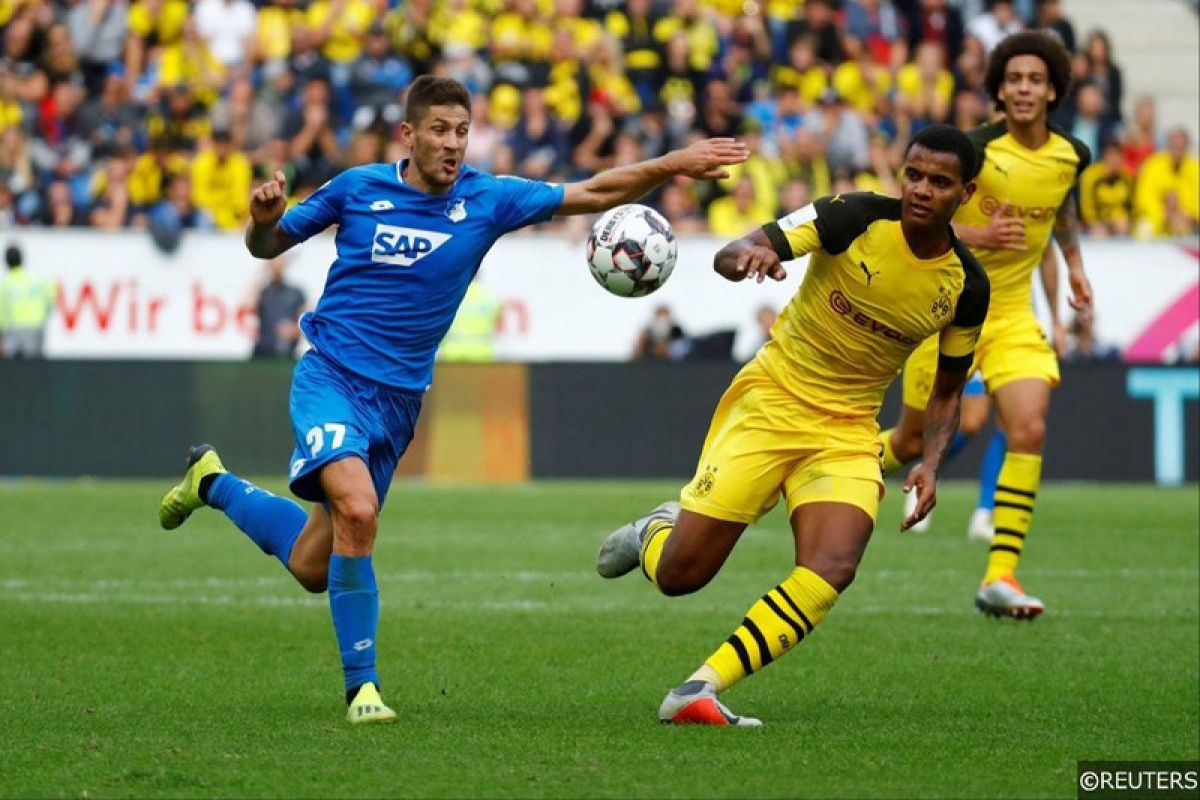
(798, 217)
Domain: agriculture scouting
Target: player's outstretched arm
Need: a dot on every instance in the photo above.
(703, 160)
(1066, 233)
(941, 422)
(267, 204)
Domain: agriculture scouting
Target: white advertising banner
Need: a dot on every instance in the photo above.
(120, 297)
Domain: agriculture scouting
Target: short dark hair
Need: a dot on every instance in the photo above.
(12, 255)
(1046, 46)
(428, 91)
(948, 139)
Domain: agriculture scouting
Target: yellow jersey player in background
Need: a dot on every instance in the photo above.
(798, 421)
(1027, 171)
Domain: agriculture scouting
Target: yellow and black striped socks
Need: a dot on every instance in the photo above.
(1016, 490)
(652, 546)
(773, 625)
(886, 454)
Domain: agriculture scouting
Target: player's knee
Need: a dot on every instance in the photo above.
(837, 571)
(675, 579)
(355, 520)
(971, 422)
(1027, 436)
(313, 581)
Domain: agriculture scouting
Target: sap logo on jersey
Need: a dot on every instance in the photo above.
(404, 246)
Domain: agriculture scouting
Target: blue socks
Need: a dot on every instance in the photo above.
(956, 444)
(273, 523)
(354, 603)
(989, 473)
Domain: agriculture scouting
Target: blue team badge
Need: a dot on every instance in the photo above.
(456, 210)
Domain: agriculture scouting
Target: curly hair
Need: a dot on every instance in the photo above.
(1046, 46)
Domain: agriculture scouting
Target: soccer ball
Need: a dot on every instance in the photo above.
(631, 250)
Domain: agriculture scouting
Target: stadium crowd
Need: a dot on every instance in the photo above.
(161, 114)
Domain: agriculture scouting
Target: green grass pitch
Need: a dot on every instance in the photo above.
(138, 663)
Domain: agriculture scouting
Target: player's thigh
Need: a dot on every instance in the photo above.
(747, 453)
(831, 537)
(1016, 349)
(327, 424)
(919, 372)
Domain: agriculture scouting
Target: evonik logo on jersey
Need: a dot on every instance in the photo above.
(404, 246)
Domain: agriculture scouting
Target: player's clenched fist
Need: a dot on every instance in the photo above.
(269, 201)
(705, 159)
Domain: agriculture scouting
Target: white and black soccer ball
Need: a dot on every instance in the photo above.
(631, 250)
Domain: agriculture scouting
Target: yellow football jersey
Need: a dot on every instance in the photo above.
(1030, 184)
(865, 304)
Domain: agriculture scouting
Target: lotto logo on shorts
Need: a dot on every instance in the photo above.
(404, 246)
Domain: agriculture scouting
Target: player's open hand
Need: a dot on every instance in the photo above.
(1080, 298)
(923, 481)
(1004, 232)
(268, 201)
(759, 263)
(707, 159)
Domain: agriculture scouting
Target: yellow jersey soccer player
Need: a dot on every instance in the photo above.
(1027, 171)
(798, 421)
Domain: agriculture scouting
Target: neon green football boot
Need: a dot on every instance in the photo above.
(184, 498)
(367, 706)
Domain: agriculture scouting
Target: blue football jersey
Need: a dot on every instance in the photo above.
(404, 261)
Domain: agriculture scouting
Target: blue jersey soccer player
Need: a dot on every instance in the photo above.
(410, 237)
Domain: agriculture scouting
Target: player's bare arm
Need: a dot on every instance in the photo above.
(267, 204)
(1066, 233)
(1049, 272)
(941, 422)
(752, 256)
(703, 160)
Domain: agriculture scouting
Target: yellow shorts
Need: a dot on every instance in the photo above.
(1009, 350)
(764, 442)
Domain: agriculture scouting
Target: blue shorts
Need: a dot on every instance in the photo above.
(975, 386)
(336, 414)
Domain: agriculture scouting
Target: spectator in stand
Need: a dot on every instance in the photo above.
(252, 121)
(274, 26)
(1166, 201)
(679, 206)
(1084, 347)
(59, 60)
(22, 80)
(189, 62)
(861, 79)
(804, 157)
(876, 24)
(177, 213)
(936, 21)
(377, 80)
(60, 149)
(337, 28)
(58, 209)
(802, 72)
(538, 144)
(221, 179)
(16, 165)
(819, 22)
(1141, 139)
(1106, 195)
(1105, 74)
(970, 71)
(766, 172)
(738, 213)
(1051, 17)
(999, 21)
(98, 32)
(841, 131)
(663, 339)
(634, 29)
(926, 83)
(1088, 122)
(108, 122)
(969, 112)
(112, 208)
(312, 142)
(279, 305)
(227, 27)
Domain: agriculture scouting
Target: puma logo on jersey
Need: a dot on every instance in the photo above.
(404, 246)
(869, 273)
(999, 169)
